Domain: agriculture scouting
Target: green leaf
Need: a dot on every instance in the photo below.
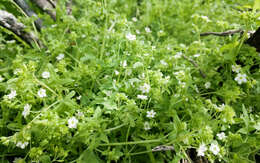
(88, 156)
(45, 159)
(256, 5)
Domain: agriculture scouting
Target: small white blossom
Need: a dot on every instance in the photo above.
(137, 31)
(134, 19)
(124, 64)
(17, 71)
(147, 126)
(60, 57)
(54, 25)
(80, 114)
(12, 94)
(145, 88)
(138, 64)
(72, 122)
(42, 93)
(130, 37)
(220, 108)
(141, 76)
(142, 97)
(26, 110)
(241, 78)
(148, 30)
(45, 75)
(22, 145)
(163, 63)
(221, 136)
(1, 78)
(196, 55)
(178, 55)
(205, 18)
(207, 85)
(150, 114)
(202, 149)
(116, 72)
(236, 68)
(214, 148)
(153, 47)
(79, 97)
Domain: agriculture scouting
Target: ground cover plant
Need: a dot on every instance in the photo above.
(131, 81)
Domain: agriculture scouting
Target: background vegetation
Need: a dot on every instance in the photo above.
(116, 82)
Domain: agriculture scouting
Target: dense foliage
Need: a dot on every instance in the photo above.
(116, 80)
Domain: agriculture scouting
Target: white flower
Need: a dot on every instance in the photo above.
(26, 110)
(207, 85)
(178, 55)
(134, 19)
(142, 76)
(80, 114)
(153, 47)
(161, 31)
(241, 78)
(16, 71)
(42, 93)
(138, 64)
(73, 122)
(147, 126)
(219, 108)
(60, 57)
(1, 78)
(22, 144)
(150, 114)
(205, 18)
(130, 37)
(142, 97)
(202, 149)
(196, 55)
(45, 75)
(137, 31)
(148, 30)
(163, 63)
(145, 88)
(79, 97)
(221, 136)
(12, 94)
(116, 72)
(214, 148)
(236, 68)
(124, 64)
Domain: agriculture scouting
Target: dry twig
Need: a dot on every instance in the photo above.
(195, 65)
(226, 33)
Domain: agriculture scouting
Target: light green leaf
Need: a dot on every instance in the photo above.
(88, 156)
(256, 5)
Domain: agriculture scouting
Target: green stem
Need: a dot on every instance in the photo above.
(114, 128)
(133, 142)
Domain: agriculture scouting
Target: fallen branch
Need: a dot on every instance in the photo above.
(195, 65)
(29, 12)
(69, 7)
(254, 40)
(226, 33)
(10, 22)
(46, 6)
